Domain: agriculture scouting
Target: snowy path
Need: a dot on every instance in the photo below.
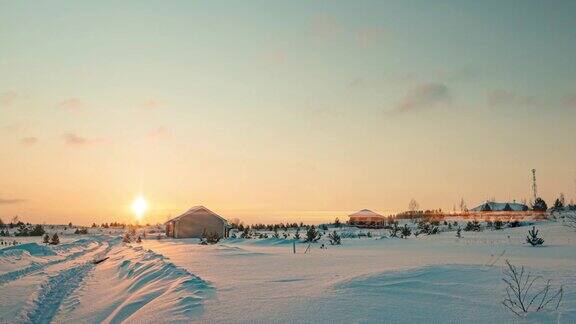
(64, 277)
(53, 292)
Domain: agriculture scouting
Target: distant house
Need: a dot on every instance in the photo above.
(366, 217)
(492, 206)
(196, 222)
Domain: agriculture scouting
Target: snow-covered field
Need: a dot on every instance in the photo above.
(435, 278)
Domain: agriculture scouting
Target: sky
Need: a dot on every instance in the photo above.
(274, 111)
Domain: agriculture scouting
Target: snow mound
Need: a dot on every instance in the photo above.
(32, 248)
(444, 293)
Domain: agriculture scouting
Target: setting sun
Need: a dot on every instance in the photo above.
(139, 207)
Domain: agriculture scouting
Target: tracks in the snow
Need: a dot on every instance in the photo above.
(35, 267)
(54, 290)
(64, 277)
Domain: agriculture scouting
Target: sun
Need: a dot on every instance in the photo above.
(139, 207)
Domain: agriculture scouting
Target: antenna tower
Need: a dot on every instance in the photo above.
(534, 190)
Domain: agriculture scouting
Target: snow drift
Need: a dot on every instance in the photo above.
(137, 285)
(34, 249)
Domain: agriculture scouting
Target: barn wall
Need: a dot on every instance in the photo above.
(194, 225)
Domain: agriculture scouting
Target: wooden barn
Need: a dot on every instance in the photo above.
(195, 223)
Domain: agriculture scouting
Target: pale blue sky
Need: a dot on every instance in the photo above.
(286, 110)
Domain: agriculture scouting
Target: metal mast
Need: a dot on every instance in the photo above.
(534, 184)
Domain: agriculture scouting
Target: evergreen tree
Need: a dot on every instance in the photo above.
(297, 234)
(22, 230)
(55, 239)
(334, 238)
(473, 226)
(498, 224)
(336, 222)
(405, 232)
(539, 205)
(394, 229)
(312, 235)
(558, 205)
(38, 230)
(533, 238)
(46, 239)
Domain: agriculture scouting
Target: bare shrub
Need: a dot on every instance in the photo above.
(521, 295)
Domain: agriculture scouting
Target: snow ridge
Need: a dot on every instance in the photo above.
(152, 280)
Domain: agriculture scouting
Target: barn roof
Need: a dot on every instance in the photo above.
(497, 206)
(365, 213)
(194, 210)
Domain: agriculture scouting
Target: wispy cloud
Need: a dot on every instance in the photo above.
(72, 105)
(509, 98)
(29, 141)
(423, 96)
(9, 201)
(76, 140)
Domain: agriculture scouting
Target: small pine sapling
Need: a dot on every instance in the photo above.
(394, 229)
(55, 239)
(245, 233)
(405, 232)
(533, 238)
(312, 235)
(334, 238)
(297, 234)
(498, 224)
